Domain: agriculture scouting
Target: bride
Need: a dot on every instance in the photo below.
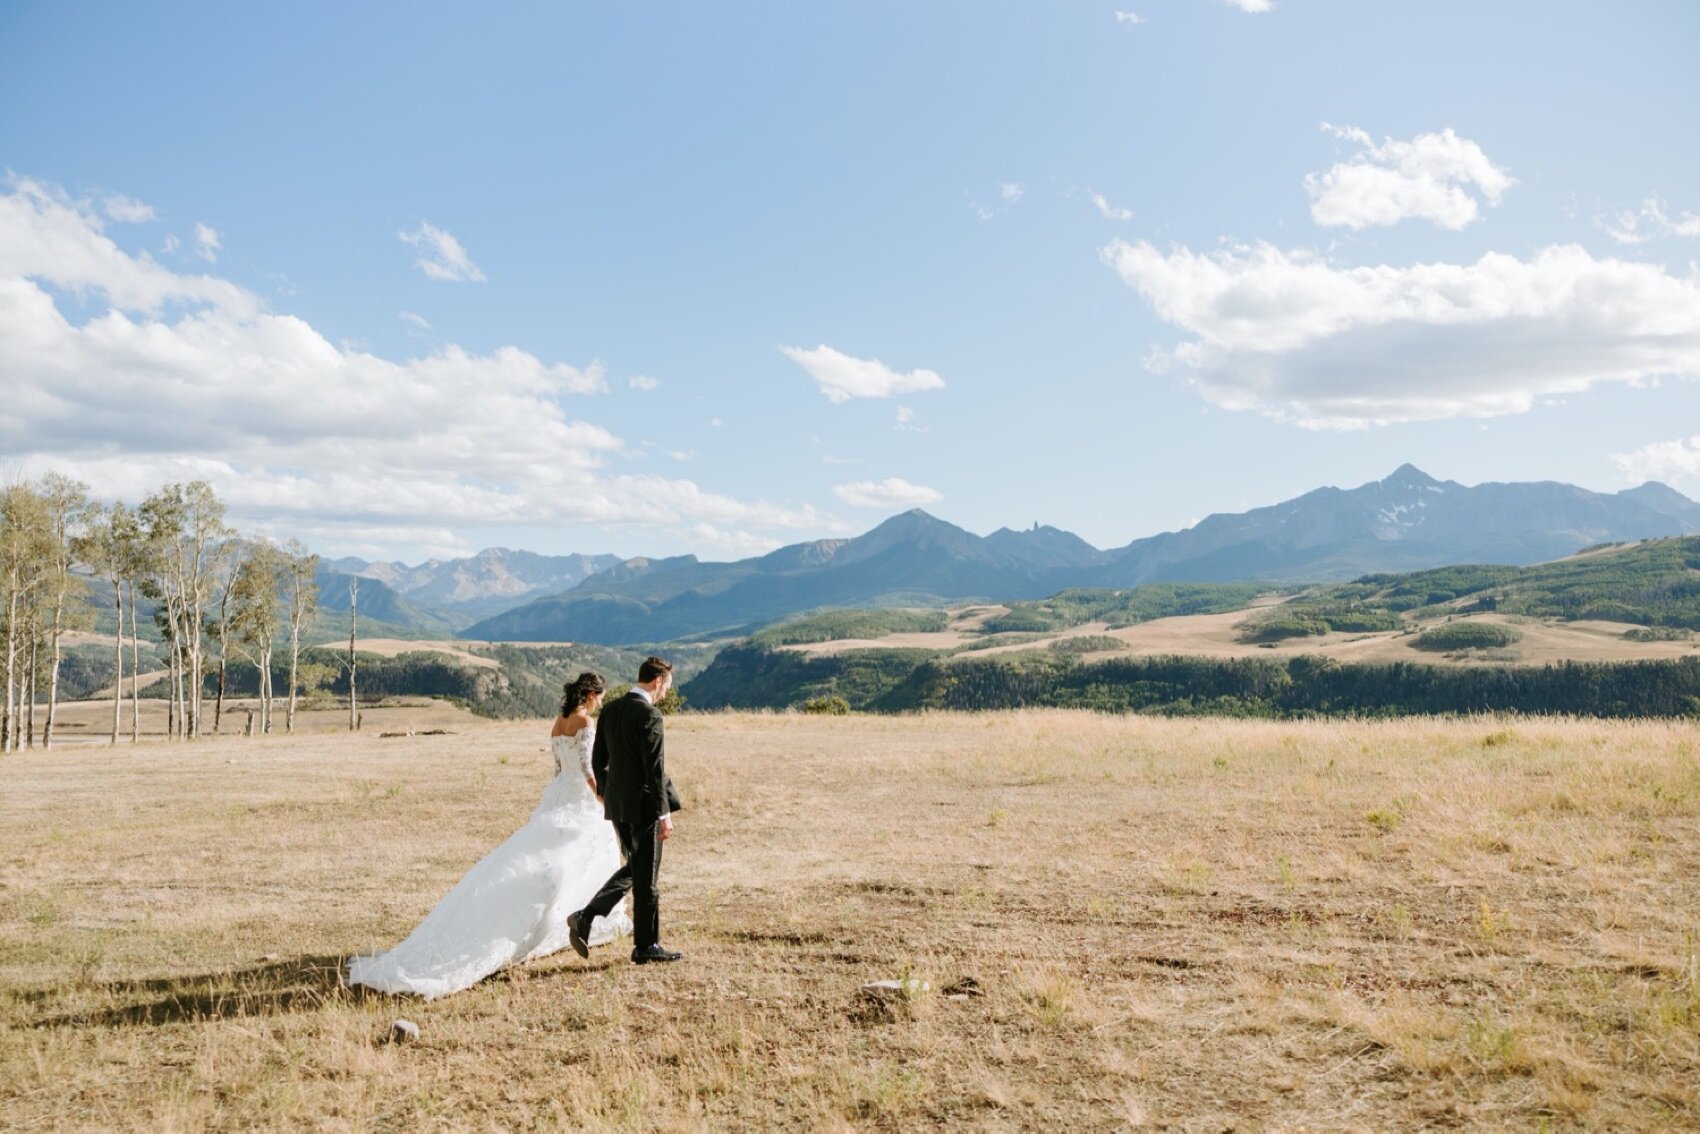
(513, 904)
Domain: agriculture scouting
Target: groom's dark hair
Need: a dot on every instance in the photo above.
(651, 669)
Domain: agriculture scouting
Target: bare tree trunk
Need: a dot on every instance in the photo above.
(193, 673)
(223, 645)
(266, 698)
(53, 671)
(184, 724)
(118, 669)
(294, 669)
(182, 679)
(194, 614)
(176, 687)
(29, 683)
(9, 723)
(218, 704)
(135, 669)
(353, 601)
(294, 663)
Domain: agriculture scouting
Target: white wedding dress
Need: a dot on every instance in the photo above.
(513, 904)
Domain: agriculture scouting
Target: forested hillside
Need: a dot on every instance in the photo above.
(751, 677)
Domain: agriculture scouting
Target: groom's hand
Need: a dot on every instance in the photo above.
(666, 824)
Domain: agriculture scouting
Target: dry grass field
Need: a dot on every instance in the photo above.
(1121, 922)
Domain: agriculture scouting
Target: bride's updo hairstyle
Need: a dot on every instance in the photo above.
(579, 690)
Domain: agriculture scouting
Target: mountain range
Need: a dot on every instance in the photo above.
(1406, 521)
(443, 595)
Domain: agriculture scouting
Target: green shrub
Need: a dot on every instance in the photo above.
(827, 706)
(1087, 644)
(1361, 621)
(1281, 627)
(837, 625)
(992, 641)
(1024, 622)
(1658, 634)
(1467, 636)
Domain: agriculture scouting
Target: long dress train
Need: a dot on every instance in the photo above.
(513, 905)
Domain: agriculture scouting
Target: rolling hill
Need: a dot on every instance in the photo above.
(1382, 643)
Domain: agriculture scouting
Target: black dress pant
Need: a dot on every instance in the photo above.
(640, 845)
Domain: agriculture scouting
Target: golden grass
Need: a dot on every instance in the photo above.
(1118, 922)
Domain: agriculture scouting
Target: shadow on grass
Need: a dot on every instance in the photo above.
(294, 984)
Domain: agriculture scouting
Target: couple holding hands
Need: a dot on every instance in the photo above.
(595, 836)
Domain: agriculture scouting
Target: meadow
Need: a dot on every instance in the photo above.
(1110, 922)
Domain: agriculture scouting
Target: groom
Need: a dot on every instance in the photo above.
(629, 761)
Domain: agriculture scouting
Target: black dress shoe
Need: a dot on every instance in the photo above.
(577, 936)
(654, 953)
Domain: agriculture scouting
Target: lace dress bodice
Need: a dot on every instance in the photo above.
(574, 751)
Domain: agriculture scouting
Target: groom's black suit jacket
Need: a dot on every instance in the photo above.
(629, 760)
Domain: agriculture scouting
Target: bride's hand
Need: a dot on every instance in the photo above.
(591, 784)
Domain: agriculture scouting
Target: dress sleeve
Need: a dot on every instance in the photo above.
(584, 758)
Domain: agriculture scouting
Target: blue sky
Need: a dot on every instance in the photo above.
(415, 279)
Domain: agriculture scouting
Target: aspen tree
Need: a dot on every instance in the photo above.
(103, 548)
(302, 591)
(23, 528)
(67, 507)
(256, 617)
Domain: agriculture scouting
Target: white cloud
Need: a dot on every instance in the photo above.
(1108, 210)
(170, 244)
(1289, 335)
(126, 210)
(417, 320)
(683, 454)
(737, 544)
(1425, 178)
(175, 377)
(368, 539)
(1662, 460)
(1009, 195)
(1129, 19)
(1627, 227)
(892, 492)
(440, 255)
(642, 382)
(906, 421)
(842, 377)
(831, 460)
(44, 235)
(1253, 5)
(206, 242)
